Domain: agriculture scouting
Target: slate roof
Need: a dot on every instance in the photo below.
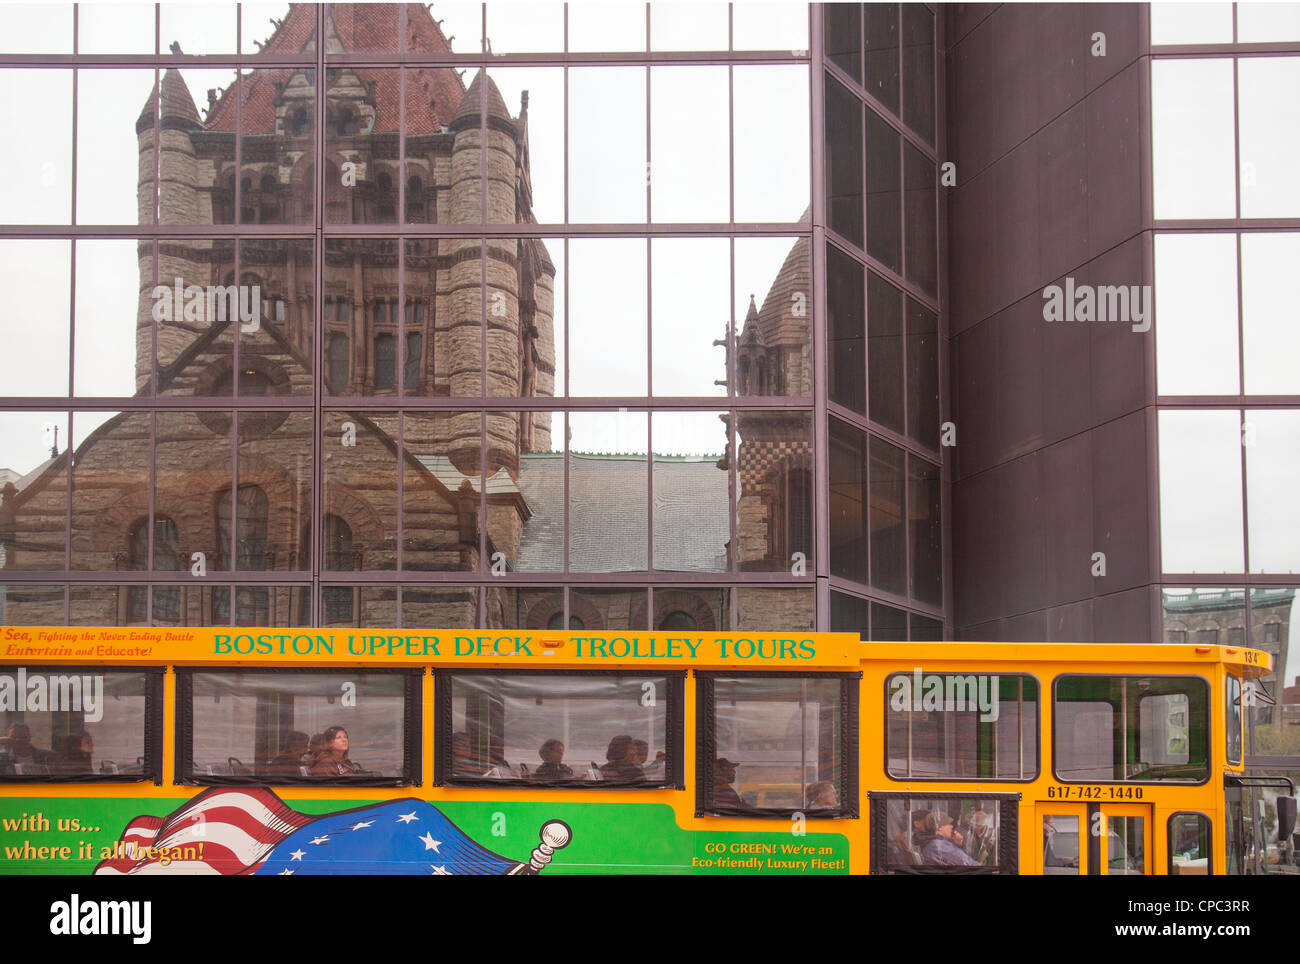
(441, 467)
(607, 513)
(469, 107)
(176, 102)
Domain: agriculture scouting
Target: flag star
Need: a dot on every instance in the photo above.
(297, 854)
(440, 871)
(362, 823)
(285, 873)
(407, 817)
(430, 843)
(320, 840)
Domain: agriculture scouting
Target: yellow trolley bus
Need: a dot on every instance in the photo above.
(151, 751)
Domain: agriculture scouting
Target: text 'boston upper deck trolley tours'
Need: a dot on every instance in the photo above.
(162, 751)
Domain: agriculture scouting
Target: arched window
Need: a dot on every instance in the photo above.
(798, 513)
(557, 622)
(250, 524)
(762, 377)
(223, 201)
(268, 204)
(247, 207)
(339, 364)
(338, 544)
(385, 361)
(301, 122)
(347, 124)
(338, 558)
(250, 529)
(166, 558)
(411, 366)
(387, 200)
(414, 201)
(678, 620)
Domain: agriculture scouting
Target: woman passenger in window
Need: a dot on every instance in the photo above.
(332, 757)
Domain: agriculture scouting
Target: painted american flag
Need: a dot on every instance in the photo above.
(252, 831)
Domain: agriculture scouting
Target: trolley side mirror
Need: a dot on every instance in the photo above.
(1285, 818)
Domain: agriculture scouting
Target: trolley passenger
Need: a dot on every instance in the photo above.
(77, 754)
(641, 753)
(724, 794)
(18, 743)
(941, 844)
(552, 768)
(822, 796)
(332, 759)
(291, 756)
(620, 766)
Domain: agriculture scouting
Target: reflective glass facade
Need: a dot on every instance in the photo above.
(1227, 219)
(390, 315)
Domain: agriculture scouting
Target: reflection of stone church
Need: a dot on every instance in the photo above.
(1218, 617)
(424, 471)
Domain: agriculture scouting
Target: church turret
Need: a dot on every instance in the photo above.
(171, 108)
(502, 307)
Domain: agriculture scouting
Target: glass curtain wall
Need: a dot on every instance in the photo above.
(1227, 214)
(453, 315)
(881, 154)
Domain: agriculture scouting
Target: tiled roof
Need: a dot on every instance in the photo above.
(433, 94)
(607, 513)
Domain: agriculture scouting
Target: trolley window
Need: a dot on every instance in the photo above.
(298, 727)
(943, 833)
(1189, 844)
(1150, 729)
(617, 731)
(774, 746)
(1233, 728)
(961, 726)
(65, 724)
